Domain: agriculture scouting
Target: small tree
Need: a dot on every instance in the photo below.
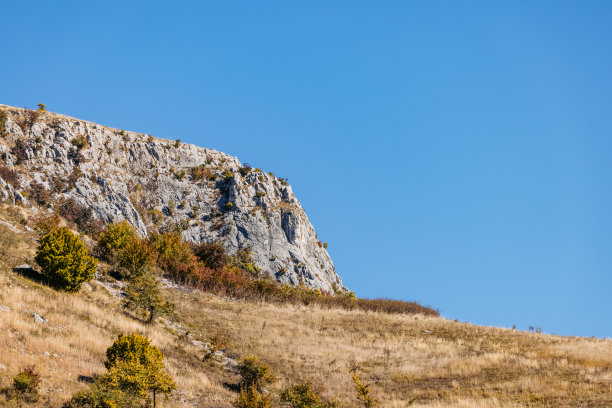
(136, 366)
(254, 373)
(144, 294)
(63, 259)
(363, 392)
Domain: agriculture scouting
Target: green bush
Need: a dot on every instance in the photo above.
(136, 257)
(251, 398)
(64, 261)
(304, 395)
(102, 396)
(116, 237)
(25, 384)
(254, 373)
(243, 259)
(135, 366)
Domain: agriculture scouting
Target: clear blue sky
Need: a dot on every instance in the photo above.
(454, 153)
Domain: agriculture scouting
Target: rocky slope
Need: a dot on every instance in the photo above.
(160, 184)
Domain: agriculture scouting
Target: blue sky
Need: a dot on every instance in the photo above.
(454, 153)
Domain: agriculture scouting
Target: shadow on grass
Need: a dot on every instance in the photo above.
(30, 273)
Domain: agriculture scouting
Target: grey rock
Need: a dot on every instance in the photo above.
(4, 308)
(128, 175)
(38, 318)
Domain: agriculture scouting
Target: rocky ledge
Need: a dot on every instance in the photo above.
(159, 184)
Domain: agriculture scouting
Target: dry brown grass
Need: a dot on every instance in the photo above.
(443, 363)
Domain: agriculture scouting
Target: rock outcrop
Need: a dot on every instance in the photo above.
(160, 184)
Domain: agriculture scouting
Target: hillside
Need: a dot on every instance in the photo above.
(160, 185)
(215, 261)
(402, 356)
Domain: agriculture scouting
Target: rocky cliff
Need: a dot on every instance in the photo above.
(160, 184)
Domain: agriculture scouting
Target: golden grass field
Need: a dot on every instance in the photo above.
(440, 362)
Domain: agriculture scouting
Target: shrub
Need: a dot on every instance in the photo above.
(136, 257)
(38, 193)
(143, 294)
(211, 255)
(101, 395)
(251, 398)
(137, 367)
(64, 260)
(363, 392)
(81, 216)
(28, 119)
(19, 151)
(44, 224)
(80, 142)
(243, 259)
(179, 175)
(76, 173)
(177, 143)
(304, 395)
(245, 169)
(77, 158)
(218, 342)
(228, 175)
(25, 384)
(199, 173)
(116, 237)
(174, 256)
(10, 176)
(254, 373)
(42, 107)
(3, 132)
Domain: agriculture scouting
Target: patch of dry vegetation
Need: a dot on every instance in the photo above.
(440, 362)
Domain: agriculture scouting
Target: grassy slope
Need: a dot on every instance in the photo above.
(443, 363)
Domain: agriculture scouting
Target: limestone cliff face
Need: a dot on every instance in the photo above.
(157, 184)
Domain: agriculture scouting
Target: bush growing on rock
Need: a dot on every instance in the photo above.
(3, 132)
(10, 176)
(39, 194)
(64, 261)
(243, 259)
